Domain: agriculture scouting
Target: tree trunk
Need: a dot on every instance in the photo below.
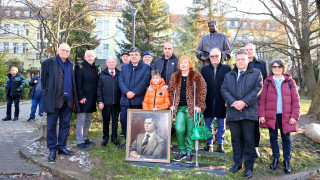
(308, 71)
(315, 104)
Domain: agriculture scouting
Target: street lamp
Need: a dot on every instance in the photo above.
(133, 13)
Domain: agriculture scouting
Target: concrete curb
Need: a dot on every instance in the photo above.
(303, 175)
(52, 167)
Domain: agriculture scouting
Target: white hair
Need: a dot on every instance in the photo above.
(252, 45)
(65, 44)
(110, 59)
(87, 51)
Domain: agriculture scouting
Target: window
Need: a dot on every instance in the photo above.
(105, 29)
(38, 33)
(17, 29)
(6, 29)
(15, 48)
(27, 13)
(26, 30)
(6, 46)
(25, 48)
(37, 55)
(17, 13)
(229, 23)
(236, 24)
(105, 51)
(7, 12)
(38, 45)
(99, 29)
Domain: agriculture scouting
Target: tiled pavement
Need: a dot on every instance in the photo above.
(14, 134)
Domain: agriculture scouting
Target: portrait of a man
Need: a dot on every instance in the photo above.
(148, 136)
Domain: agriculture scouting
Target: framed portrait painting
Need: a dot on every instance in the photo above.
(148, 135)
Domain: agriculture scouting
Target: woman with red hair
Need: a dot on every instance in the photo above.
(181, 94)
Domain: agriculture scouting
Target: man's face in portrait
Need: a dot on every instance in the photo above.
(168, 50)
(242, 61)
(149, 125)
(135, 57)
(64, 51)
(125, 58)
(215, 57)
(90, 57)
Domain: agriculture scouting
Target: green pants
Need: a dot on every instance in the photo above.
(184, 129)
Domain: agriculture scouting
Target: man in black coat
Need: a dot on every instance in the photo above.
(14, 86)
(109, 99)
(86, 81)
(250, 49)
(214, 74)
(241, 90)
(168, 63)
(59, 96)
(36, 96)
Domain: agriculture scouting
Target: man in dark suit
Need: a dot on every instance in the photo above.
(149, 144)
(214, 74)
(241, 90)
(86, 81)
(133, 82)
(59, 95)
(254, 62)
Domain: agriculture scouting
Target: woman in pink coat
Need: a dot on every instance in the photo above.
(279, 107)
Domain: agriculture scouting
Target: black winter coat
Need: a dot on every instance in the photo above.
(172, 66)
(49, 80)
(261, 65)
(18, 84)
(86, 81)
(214, 98)
(108, 88)
(248, 89)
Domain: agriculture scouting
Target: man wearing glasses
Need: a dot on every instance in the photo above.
(59, 96)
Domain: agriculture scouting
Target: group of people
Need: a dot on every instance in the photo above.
(247, 97)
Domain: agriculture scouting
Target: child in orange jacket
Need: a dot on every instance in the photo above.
(156, 98)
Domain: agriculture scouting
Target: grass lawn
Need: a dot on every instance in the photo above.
(305, 154)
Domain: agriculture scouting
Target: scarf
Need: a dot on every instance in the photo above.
(67, 84)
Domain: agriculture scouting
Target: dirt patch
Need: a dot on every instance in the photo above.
(80, 163)
(304, 120)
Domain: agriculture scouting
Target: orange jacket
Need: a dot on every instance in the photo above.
(157, 98)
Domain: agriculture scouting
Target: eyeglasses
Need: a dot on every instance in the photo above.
(215, 56)
(276, 67)
(65, 50)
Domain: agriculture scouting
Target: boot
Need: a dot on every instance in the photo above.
(274, 164)
(286, 165)
(220, 149)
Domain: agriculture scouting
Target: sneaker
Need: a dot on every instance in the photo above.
(179, 157)
(83, 146)
(30, 119)
(6, 118)
(88, 142)
(189, 158)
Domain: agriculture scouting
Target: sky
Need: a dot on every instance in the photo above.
(180, 7)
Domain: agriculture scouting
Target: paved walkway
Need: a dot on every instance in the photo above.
(14, 134)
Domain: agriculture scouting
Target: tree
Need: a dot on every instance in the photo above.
(315, 104)
(3, 69)
(299, 18)
(196, 25)
(152, 27)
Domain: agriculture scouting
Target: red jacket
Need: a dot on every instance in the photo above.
(290, 104)
(157, 98)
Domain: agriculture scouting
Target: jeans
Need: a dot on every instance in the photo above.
(286, 141)
(37, 99)
(64, 115)
(221, 130)
(123, 116)
(184, 129)
(16, 106)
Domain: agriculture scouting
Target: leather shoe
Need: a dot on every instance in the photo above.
(88, 142)
(104, 143)
(83, 146)
(207, 147)
(65, 152)
(286, 165)
(220, 149)
(235, 168)
(6, 118)
(116, 142)
(15, 118)
(247, 174)
(256, 153)
(30, 119)
(122, 146)
(274, 164)
(52, 156)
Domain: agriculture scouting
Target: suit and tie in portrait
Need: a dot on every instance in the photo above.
(148, 144)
